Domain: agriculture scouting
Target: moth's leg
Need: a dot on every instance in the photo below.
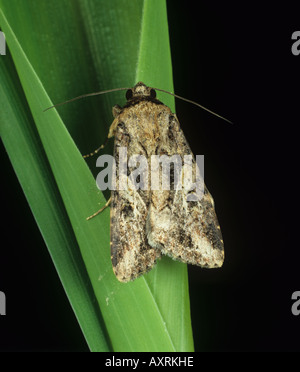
(100, 210)
(97, 150)
(115, 111)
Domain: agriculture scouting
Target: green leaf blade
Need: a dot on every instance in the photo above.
(31, 166)
(151, 313)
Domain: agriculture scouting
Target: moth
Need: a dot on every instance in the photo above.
(147, 223)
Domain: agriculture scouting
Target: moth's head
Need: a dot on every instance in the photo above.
(140, 90)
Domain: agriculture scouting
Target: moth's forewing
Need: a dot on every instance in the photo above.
(146, 223)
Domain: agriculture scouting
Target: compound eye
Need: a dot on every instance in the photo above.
(129, 94)
(152, 93)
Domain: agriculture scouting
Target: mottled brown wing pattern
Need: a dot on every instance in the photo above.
(187, 231)
(131, 254)
(196, 238)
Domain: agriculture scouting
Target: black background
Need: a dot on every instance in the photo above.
(235, 58)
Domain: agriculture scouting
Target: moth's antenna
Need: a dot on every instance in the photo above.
(118, 89)
(86, 95)
(195, 103)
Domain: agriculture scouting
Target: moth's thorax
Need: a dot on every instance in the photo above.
(146, 122)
